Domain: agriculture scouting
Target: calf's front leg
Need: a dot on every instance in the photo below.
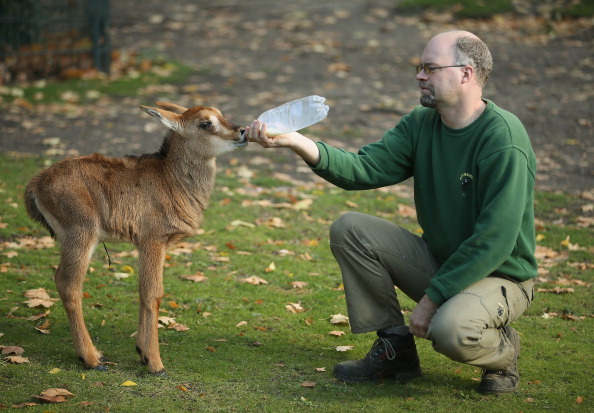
(151, 258)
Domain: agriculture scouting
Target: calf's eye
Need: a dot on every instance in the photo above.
(205, 125)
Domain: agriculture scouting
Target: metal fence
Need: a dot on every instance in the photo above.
(52, 38)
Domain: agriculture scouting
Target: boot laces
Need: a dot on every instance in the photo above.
(387, 348)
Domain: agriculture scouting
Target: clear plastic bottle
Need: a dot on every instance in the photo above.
(294, 115)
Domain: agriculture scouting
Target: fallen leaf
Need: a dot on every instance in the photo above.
(572, 247)
(239, 223)
(12, 350)
(556, 290)
(38, 302)
(254, 280)
(407, 211)
(178, 327)
(128, 383)
(17, 359)
(337, 333)
(166, 320)
(271, 267)
(55, 370)
(127, 269)
(121, 275)
(321, 369)
(309, 384)
(303, 204)
(344, 348)
(40, 293)
(56, 392)
(52, 399)
(298, 284)
(339, 319)
(295, 308)
(197, 277)
(241, 323)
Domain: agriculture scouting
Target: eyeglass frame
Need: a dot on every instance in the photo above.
(430, 69)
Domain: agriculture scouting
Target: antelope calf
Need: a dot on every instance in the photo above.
(151, 201)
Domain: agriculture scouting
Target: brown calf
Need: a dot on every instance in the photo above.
(151, 201)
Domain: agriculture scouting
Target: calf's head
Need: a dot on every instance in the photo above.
(202, 130)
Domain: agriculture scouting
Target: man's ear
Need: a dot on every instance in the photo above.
(468, 74)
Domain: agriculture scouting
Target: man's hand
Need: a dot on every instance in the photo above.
(301, 145)
(421, 317)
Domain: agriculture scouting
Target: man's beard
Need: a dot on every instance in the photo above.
(428, 100)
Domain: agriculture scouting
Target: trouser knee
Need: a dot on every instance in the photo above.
(454, 341)
(344, 225)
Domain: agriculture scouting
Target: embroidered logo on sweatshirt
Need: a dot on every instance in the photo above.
(465, 182)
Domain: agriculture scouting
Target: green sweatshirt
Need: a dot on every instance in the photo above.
(473, 190)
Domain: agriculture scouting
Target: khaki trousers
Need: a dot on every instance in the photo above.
(375, 255)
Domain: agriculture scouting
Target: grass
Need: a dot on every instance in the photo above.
(217, 365)
(129, 79)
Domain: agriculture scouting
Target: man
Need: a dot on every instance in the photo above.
(471, 271)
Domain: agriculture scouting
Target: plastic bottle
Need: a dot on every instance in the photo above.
(294, 115)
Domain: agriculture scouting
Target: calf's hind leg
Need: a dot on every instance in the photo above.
(151, 257)
(75, 258)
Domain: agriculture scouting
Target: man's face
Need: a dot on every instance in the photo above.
(439, 86)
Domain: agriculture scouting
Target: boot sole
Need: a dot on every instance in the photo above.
(400, 376)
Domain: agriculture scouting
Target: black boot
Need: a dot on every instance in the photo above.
(391, 356)
(506, 380)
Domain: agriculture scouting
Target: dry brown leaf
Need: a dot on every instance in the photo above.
(254, 280)
(407, 211)
(556, 290)
(17, 359)
(27, 404)
(299, 284)
(56, 392)
(166, 320)
(303, 204)
(40, 293)
(197, 277)
(178, 327)
(16, 350)
(337, 333)
(239, 223)
(295, 308)
(38, 302)
(309, 384)
(339, 319)
(52, 399)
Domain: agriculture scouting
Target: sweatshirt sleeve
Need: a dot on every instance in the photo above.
(505, 195)
(382, 163)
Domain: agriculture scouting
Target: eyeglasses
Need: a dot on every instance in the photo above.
(430, 69)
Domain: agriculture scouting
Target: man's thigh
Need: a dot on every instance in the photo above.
(492, 302)
(404, 256)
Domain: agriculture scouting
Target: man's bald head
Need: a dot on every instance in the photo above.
(466, 49)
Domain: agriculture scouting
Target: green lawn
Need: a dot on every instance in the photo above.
(244, 351)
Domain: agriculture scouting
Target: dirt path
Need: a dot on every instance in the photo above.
(254, 55)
